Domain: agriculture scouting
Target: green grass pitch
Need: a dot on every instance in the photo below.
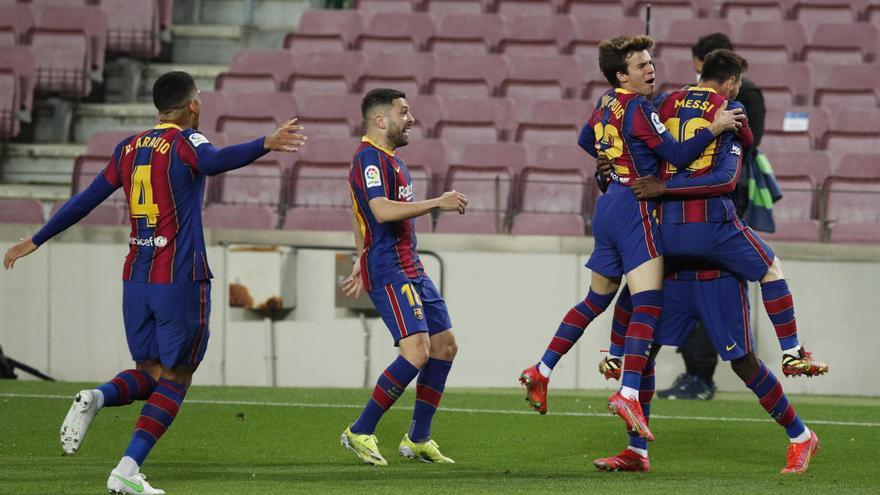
(277, 441)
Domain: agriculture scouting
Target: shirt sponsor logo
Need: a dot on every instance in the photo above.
(735, 150)
(372, 176)
(197, 139)
(158, 241)
(655, 119)
(405, 193)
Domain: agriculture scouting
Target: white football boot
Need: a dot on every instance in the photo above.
(76, 424)
(120, 484)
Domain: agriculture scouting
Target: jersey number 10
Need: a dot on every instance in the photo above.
(142, 205)
(682, 131)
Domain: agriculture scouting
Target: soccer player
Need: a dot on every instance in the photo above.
(166, 280)
(389, 269)
(700, 292)
(697, 216)
(626, 127)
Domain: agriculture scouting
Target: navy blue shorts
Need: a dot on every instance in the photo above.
(732, 246)
(721, 304)
(168, 322)
(625, 232)
(409, 306)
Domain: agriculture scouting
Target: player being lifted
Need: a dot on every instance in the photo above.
(166, 296)
(389, 269)
(625, 127)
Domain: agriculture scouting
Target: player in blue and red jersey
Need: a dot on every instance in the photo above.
(699, 291)
(696, 214)
(166, 279)
(388, 268)
(625, 127)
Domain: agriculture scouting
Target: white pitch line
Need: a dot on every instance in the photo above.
(312, 405)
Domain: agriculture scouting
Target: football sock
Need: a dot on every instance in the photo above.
(794, 351)
(127, 466)
(780, 309)
(639, 335)
(573, 325)
(389, 386)
(769, 391)
(646, 393)
(622, 315)
(544, 370)
(429, 390)
(156, 416)
(127, 387)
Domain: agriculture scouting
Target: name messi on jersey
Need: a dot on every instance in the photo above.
(703, 105)
(157, 143)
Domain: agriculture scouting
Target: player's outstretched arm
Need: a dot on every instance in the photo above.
(386, 210)
(213, 161)
(20, 250)
(286, 138)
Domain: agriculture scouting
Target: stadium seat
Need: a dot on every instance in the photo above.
(842, 43)
(467, 76)
(222, 216)
(320, 185)
(61, 61)
(525, 7)
(546, 190)
(467, 34)
(609, 9)
(86, 168)
(553, 121)
(512, 157)
(773, 42)
(9, 124)
(537, 35)
(859, 165)
(252, 69)
(812, 13)
(396, 32)
(536, 78)
(571, 160)
(333, 152)
(426, 160)
(663, 12)
(846, 85)
(242, 82)
(325, 30)
(673, 76)
(370, 8)
(593, 81)
(739, 11)
(259, 183)
(681, 34)
(407, 72)
(456, 7)
(853, 210)
(20, 60)
(786, 83)
(486, 174)
(15, 20)
(329, 115)
(104, 214)
(21, 211)
(569, 224)
(132, 27)
(251, 115)
(592, 29)
(781, 135)
(326, 73)
(476, 120)
(91, 20)
(815, 165)
(426, 111)
(334, 219)
(471, 223)
(794, 214)
(851, 130)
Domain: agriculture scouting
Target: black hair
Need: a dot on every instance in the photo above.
(173, 90)
(720, 65)
(613, 54)
(379, 96)
(710, 43)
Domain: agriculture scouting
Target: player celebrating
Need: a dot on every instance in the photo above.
(166, 279)
(389, 269)
(626, 128)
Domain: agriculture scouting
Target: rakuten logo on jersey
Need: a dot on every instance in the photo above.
(405, 193)
(158, 241)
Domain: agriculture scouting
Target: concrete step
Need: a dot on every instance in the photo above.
(50, 193)
(93, 117)
(39, 163)
(205, 44)
(268, 14)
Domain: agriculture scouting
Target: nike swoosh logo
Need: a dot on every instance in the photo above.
(397, 170)
(138, 487)
(730, 347)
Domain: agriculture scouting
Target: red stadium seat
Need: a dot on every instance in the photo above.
(104, 214)
(846, 85)
(794, 214)
(333, 152)
(570, 160)
(456, 7)
(132, 27)
(329, 115)
(16, 19)
(591, 30)
(91, 20)
(426, 111)
(9, 124)
(20, 60)
(851, 130)
(537, 35)
(767, 41)
(663, 12)
(512, 157)
(324, 30)
(396, 32)
(86, 168)
(674, 76)
(525, 7)
(681, 34)
(842, 43)
(334, 219)
(250, 115)
(471, 223)
(222, 216)
(384, 7)
(326, 72)
(426, 160)
(475, 120)
(104, 142)
(259, 183)
(853, 210)
(781, 135)
(814, 12)
(814, 165)
(552, 191)
(739, 11)
(240, 82)
(21, 211)
(467, 34)
(783, 83)
(61, 61)
(553, 121)
(610, 9)
(856, 165)
(541, 77)
(467, 76)
(568, 224)
(258, 68)
(407, 72)
(321, 186)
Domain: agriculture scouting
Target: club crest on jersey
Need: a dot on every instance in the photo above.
(655, 119)
(371, 174)
(419, 314)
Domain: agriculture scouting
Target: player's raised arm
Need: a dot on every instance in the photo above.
(211, 160)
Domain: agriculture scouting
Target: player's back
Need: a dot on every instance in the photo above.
(164, 191)
(389, 247)
(686, 112)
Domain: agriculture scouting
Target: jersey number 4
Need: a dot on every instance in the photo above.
(142, 205)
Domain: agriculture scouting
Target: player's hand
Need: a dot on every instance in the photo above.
(727, 120)
(353, 285)
(20, 250)
(648, 187)
(604, 166)
(286, 138)
(453, 201)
